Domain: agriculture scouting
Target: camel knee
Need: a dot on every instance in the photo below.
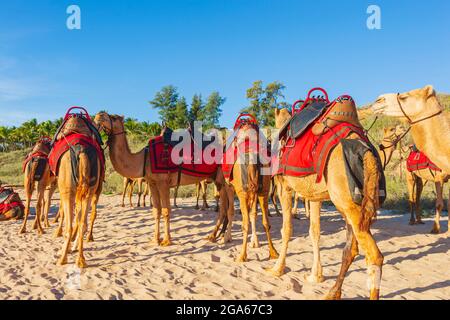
(165, 212)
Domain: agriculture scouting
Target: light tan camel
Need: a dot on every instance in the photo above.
(132, 165)
(415, 182)
(430, 127)
(81, 196)
(45, 186)
(129, 185)
(358, 218)
(245, 185)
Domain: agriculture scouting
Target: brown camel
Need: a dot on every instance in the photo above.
(11, 206)
(245, 185)
(43, 181)
(129, 185)
(358, 218)
(132, 165)
(430, 127)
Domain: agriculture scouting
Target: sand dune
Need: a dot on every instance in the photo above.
(124, 265)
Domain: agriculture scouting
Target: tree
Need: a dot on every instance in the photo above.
(181, 114)
(263, 101)
(165, 102)
(197, 112)
(213, 110)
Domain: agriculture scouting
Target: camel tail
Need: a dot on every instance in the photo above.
(84, 175)
(370, 203)
(32, 167)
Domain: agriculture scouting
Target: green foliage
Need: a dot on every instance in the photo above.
(197, 112)
(263, 101)
(213, 110)
(165, 102)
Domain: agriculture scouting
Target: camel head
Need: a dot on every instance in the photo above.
(412, 106)
(393, 133)
(110, 124)
(281, 117)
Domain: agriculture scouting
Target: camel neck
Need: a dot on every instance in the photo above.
(126, 163)
(386, 153)
(432, 137)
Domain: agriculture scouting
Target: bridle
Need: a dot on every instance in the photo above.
(410, 121)
(109, 132)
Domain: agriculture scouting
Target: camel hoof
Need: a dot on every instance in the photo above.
(412, 222)
(90, 238)
(62, 262)
(314, 278)
(420, 222)
(22, 231)
(241, 259)
(333, 295)
(277, 272)
(435, 230)
(166, 243)
(255, 245)
(273, 255)
(81, 263)
(41, 232)
(211, 238)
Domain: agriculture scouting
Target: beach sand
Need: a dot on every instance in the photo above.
(122, 264)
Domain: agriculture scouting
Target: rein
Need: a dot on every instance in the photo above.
(410, 121)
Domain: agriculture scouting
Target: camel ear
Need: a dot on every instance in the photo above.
(277, 111)
(429, 91)
(386, 130)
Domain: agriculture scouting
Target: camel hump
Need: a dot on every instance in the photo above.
(74, 125)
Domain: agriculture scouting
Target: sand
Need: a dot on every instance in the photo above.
(122, 264)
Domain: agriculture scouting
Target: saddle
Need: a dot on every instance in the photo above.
(315, 128)
(417, 160)
(236, 147)
(5, 193)
(168, 137)
(10, 200)
(77, 123)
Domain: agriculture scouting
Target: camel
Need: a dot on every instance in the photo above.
(129, 184)
(43, 181)
(11, 206)
(132, 165)
(415, 182)
(430, 127)
(358, 218)
(245, 184)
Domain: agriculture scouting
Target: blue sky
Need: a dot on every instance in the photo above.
(128, 50)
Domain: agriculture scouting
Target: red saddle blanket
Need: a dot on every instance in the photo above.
(418, 160)
(32, 156)
(9, 200)
(310, 152)
(62, 146)
(231, 155)
(161, 160)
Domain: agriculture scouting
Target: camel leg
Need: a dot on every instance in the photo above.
(67, 199)
(307, 206)
(230, 213)
(264, 204)
(448, 213)
(130, 193)
(439, 206)
(295, 207)
(39, 208)
(28, 194)
(156, 213)
(411, 183)
(286, 231)
(349, 254)
(92, 218)
(175, 197)
(165, 211)
(274, 193)
(57, 217)
(125, 187)
(140, 185)
(316, 275)
(245, 222)
(221, 217)
(254, 242)
(85, 204)
(419, 190)
(199, 186)
(205, 195)
(48, 201)
(59, 230)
